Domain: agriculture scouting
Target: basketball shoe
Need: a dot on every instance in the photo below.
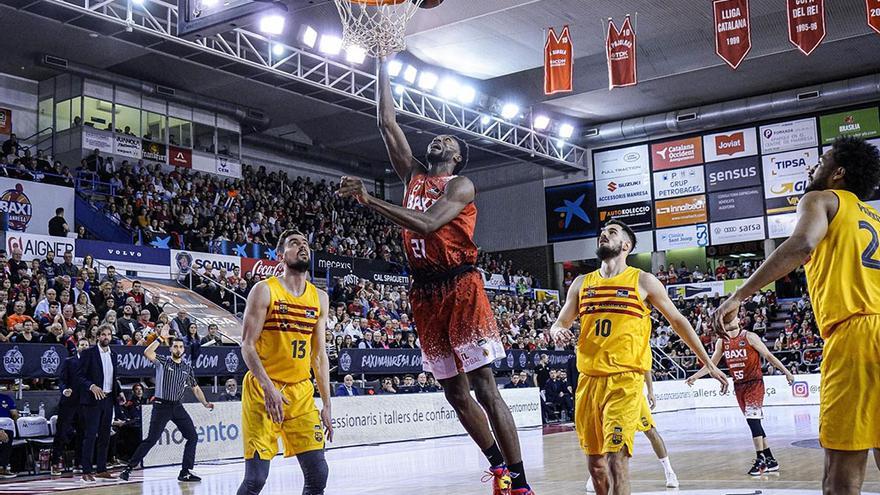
(500, 478)
(771, 464)
(758, 468)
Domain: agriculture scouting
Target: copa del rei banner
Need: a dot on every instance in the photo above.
(620, 49)
(873, 7)
(733, 31)
(806, 24)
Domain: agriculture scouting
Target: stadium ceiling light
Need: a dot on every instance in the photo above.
(541, 122)
(467, 94)
(331, 45)
(428, 81)
(399, 89)
(278, 49)
(272, 24)
(566, 131)
(310, 36)
(206, 4)
(449, 88)
(409, 75)
(355, 54)
(560, 143)
(394, 68)
(509, 110)
(485, 119)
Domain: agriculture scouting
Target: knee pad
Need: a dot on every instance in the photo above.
(315, 471)
(755, 426)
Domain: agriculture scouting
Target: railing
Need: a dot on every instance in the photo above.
(35, 145)
(689, 364)
(238, 302)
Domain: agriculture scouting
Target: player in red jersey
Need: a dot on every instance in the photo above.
(743, 351)
(451, 311)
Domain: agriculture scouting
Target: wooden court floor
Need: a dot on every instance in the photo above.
(710, 452)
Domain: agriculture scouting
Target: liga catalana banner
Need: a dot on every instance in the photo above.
(733, 34)
(30, 205)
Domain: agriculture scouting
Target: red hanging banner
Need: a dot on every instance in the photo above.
(733, 31)
(806, 24)
(558, 62)
(873, 7)
(5, 121)
(620, 50)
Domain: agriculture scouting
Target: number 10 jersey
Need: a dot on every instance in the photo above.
(615, 325)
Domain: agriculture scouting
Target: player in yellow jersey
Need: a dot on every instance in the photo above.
(283, 343)
(837, 237)
(613, 353)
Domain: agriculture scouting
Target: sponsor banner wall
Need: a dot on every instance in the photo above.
(393, 361)
(779, 226)
(94, 139)
(30, 205)
(180, 157)
(262, 268)
(184, 261)
(733, 174)
(681, 211)
(127, 146)
(374, 270)
(637, 215)
(679, 182)
(621, 162)
(146, 261)
(246, 250)
(733, 144)
(676, 395)
(739, 203)
(364, 420)
(733, 33)
(785, 178)
(228, 167)
(35, 246)
(697, 289)
(156, 152)
(746, 229)
(688, 236)
(571, 212)
(792, 135)
(623, 190)
(31, 360)
(864, 123)
(677, 153)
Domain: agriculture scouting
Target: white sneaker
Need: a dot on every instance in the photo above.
(590, 487)
(671, 480)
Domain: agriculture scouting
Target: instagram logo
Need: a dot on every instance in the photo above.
(800, 389)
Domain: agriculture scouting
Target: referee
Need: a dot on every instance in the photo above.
(172, 377)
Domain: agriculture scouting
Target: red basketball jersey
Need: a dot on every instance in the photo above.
(558, 62)
(742, 359)
(449, 246)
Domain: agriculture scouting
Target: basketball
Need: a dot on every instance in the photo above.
(429, 4)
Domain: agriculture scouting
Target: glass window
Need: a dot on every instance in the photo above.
(98, 113)
(128, 120)
(179, 132)
(153, 126)
(203, 136)
(227, 143)
(45, 111)
(67, 114)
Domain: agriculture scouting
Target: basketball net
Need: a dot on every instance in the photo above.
(376, 26)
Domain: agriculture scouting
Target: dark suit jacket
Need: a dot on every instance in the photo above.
(341, 391)
(68, 377)
(92, 373)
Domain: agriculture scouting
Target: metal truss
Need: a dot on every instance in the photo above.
(315, 76)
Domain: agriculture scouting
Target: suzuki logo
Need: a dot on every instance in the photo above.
(612, 186)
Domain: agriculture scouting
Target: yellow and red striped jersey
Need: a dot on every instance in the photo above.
(285, 345)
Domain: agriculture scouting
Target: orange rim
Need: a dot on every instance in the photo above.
(377, 3)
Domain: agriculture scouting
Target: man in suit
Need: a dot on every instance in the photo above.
(68, 408)
(347, 388)
(98, 392)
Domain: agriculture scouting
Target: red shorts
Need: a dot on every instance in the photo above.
(750, 396)
(456, 326)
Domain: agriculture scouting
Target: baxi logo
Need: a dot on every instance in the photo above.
(49, 361)
(16, 204)
(13, 361)
(800, 389)
(612, 186)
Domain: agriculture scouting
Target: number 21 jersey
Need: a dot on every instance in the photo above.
(449, 246)
(615, 325)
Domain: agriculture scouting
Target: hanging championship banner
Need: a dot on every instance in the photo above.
(806, 24)
(873, 7)
(558, 62)
(733, 34)
(620, 51)
(5, 121)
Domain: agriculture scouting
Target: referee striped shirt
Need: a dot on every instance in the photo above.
(172, 378)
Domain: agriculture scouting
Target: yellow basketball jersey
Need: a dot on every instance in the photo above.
(843, 274)
(285, 345)
(615, 325)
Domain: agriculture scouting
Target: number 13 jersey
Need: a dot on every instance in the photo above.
(615, 325)
(843, 273)
(449, 246)
(285, 345)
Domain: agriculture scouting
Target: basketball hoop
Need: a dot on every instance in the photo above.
(376, 26)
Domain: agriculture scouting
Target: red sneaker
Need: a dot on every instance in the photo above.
(500, 478)
(522, 491)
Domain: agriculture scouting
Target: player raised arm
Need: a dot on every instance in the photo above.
(399, 151)
(321, 364)
(716, 358)
(759, 346)
(815, 211)
(561, 328)
(254, 318)
(459, 192)
(659, 298)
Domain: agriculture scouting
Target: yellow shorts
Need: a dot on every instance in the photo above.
(850, 390)
(646, 420)
(300, 431)
(607, 411)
